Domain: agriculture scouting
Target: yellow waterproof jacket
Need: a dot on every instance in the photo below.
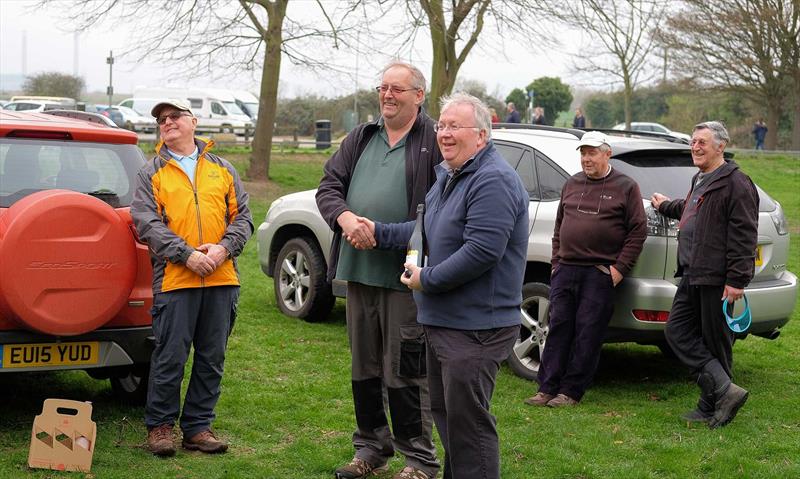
(174, 217)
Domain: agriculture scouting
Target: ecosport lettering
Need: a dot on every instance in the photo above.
(70, 265)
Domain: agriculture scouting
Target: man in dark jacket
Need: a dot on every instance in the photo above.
(383, 170)
(513, 114)
(716, 255)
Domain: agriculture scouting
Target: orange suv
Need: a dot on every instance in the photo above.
(75, 282)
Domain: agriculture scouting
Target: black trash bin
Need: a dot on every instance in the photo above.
(323, 134)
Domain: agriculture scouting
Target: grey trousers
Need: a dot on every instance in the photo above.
(388, 366)
(202, 317)
(462, 368)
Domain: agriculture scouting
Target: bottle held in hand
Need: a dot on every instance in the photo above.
(416, 244)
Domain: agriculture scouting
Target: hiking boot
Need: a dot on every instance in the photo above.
(562, 400)
(697, 415)
(727, 406)
(205, 441)
(159, 440)
(540, 399)
(409, 472)
(359, 468)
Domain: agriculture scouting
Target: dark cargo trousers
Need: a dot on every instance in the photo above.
(581, 305)
(388, 361)
(462, 367)
(202, 317)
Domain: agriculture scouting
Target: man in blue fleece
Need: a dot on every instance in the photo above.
(468, 294)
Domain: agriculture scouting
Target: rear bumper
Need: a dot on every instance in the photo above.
(118, 347)
(771, 304)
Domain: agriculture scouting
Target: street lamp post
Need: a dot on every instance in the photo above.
(110, 89)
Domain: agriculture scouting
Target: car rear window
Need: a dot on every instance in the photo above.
(669, 174)
(106, 171)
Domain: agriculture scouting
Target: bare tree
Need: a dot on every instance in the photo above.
(455, 27)
(218, 38)
(622, 40)
(747, 46)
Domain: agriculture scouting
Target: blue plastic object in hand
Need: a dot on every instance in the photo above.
(741, 323)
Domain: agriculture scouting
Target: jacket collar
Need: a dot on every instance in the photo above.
(204, 145)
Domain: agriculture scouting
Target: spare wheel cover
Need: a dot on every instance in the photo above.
(68, 262)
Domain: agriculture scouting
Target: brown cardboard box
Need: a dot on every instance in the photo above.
(63, 436)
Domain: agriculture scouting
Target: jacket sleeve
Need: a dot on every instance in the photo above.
(491, 213)
(240, 221)
(557, 229)
(393, 235)
(742, 231)
(636, 223)
(150, 226)
(332, 191)
(672, 208)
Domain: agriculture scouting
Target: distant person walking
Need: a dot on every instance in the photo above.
(190, 208)
(599, 232)
(760, 133)
(716, 260)
(495, 118)
(513, 114)
(579, 121)
(538, 116)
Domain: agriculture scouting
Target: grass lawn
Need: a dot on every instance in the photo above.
(286, 407)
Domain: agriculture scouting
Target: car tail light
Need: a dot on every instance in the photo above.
(40, 135)
(779, 219)
(650, 316)
(660, 225)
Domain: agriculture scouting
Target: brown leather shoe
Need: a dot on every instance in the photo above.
(540, 399)
(159, 440)
(205, 441)
(562, 400)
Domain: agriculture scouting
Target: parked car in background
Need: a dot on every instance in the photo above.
(294, 243)
(247, 102)
(132, 120)
(652, 128)
(75, 282)
(216, 110)
(36, 106)
(114, 115)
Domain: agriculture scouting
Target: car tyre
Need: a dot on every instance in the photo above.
(301, 287)
(525, 357)
(132, 387)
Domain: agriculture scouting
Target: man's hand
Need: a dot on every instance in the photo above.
(412, 282)
(616, 276)
(216, 252)
(732, 294)
(200, 263)
(371, 226)
(657, 199)
(356, 232)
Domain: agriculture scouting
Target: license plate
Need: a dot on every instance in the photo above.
(759, 258)
(49, 354)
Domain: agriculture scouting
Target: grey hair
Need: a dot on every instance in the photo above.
(483, 119)
(717, 129)
(417, 78)
(604, 148)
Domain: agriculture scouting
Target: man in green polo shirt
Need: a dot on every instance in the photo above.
(382, 171)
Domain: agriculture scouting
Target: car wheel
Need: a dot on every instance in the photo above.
(131, 388)
(526, 356)
(301, 288)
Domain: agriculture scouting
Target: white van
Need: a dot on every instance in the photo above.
(247, 102)
(214, 113)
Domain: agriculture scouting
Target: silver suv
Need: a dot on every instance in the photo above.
(294, 242)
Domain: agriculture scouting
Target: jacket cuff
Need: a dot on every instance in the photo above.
(184, 253)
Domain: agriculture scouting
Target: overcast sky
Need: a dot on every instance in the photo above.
(50, 46)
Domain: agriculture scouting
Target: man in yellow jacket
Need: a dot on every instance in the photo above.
(191, 210)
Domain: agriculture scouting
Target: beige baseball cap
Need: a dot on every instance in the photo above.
(179, 104)
(593, 138)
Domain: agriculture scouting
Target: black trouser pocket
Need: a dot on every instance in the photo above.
(412, 352)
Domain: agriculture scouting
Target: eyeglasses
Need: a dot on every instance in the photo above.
(396, 90)
(173, 116)
(452, 128)
(602, 190)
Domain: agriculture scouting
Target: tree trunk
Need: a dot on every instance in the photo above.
(627, 94)
(268, 99)
(774, 111)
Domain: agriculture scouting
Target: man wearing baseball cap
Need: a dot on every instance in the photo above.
(191, 209)
(599, 232)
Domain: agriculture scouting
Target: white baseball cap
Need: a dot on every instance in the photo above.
(593, 138)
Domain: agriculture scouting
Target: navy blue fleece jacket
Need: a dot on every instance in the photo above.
(477, 236)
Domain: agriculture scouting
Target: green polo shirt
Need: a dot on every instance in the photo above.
(377, 191)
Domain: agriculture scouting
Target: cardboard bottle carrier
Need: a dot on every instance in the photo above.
(63, 436)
